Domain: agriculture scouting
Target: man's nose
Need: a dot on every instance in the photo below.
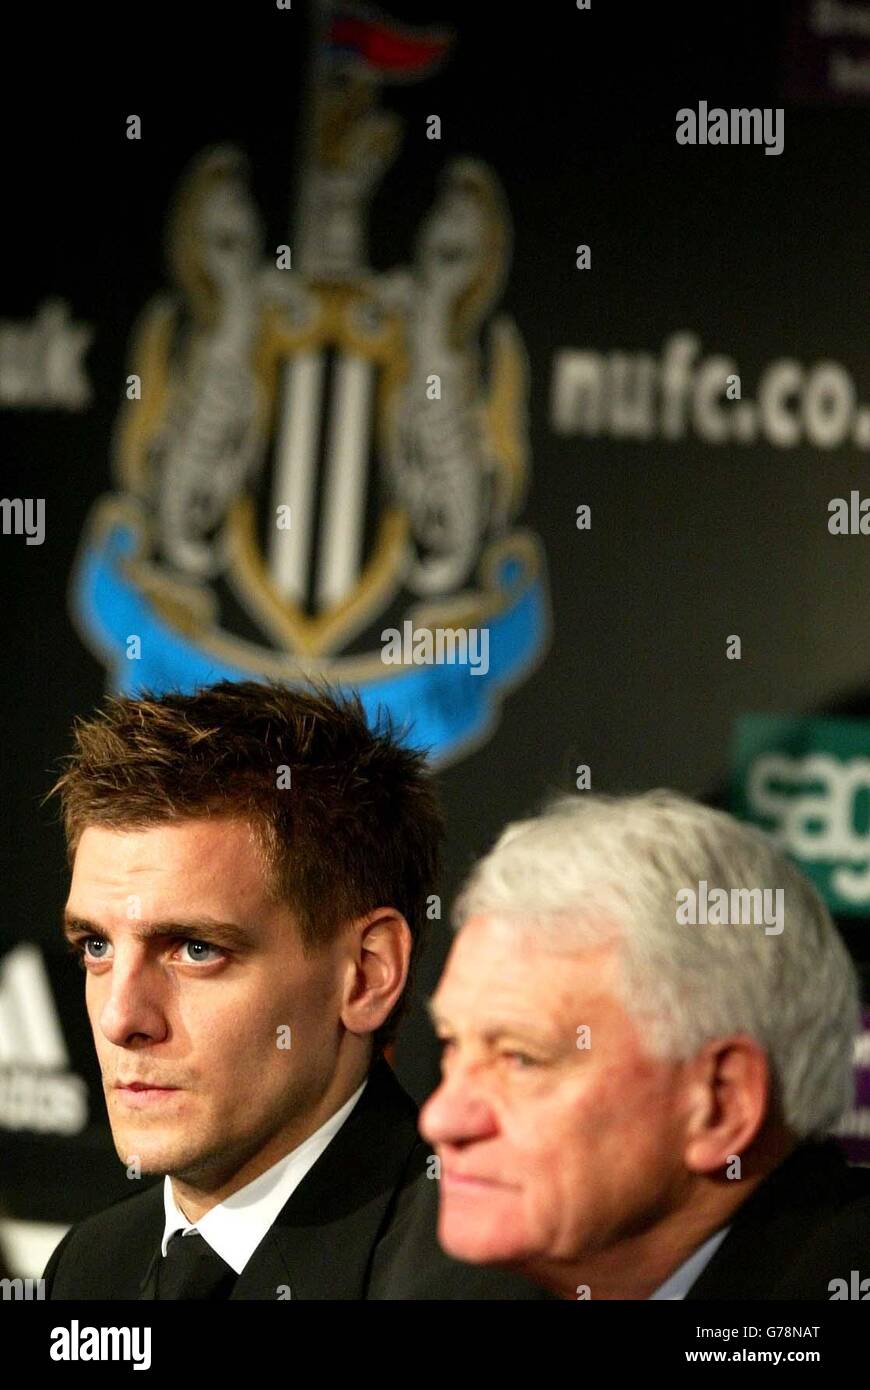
(132, 1004)
(457, 1112)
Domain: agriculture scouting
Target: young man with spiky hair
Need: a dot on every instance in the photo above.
(291, 850)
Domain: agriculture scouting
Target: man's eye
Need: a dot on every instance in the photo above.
(521, 1060)
(197, 950)
(100, 952)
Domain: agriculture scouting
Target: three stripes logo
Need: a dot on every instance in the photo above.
(37, 1090)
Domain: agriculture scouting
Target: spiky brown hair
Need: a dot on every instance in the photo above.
(359, 828)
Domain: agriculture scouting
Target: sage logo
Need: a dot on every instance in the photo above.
(806, 782)
(737, 126)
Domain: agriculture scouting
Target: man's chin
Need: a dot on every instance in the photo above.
(151, 1155)
(477, 1245)
(147, 1162)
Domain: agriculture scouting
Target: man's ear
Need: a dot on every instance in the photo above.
(379, 953)
(728, 1086)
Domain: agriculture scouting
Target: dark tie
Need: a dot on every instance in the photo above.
(192, 1269)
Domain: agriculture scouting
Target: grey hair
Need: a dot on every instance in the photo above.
(593, 867)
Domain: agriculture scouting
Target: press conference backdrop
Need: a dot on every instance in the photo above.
(326, 323)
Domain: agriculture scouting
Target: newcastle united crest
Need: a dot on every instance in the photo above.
(312, 455)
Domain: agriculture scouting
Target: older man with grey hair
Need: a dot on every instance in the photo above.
(648, 1021)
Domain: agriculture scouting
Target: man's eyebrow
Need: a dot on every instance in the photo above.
(209, 929)
(501, 1028)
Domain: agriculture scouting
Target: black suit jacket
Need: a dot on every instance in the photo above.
(807, 1224)
(360, 1225)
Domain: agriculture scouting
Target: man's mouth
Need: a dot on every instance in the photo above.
(139, 1093)
(467, 1181)
(141, 1086)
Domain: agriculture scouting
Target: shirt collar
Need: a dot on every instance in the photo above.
(235, 1227)
(677, 1285)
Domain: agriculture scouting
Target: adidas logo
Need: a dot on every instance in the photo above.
(37, 1091)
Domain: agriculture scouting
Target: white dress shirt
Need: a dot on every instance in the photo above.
(235, 1227)
(677, 1285)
